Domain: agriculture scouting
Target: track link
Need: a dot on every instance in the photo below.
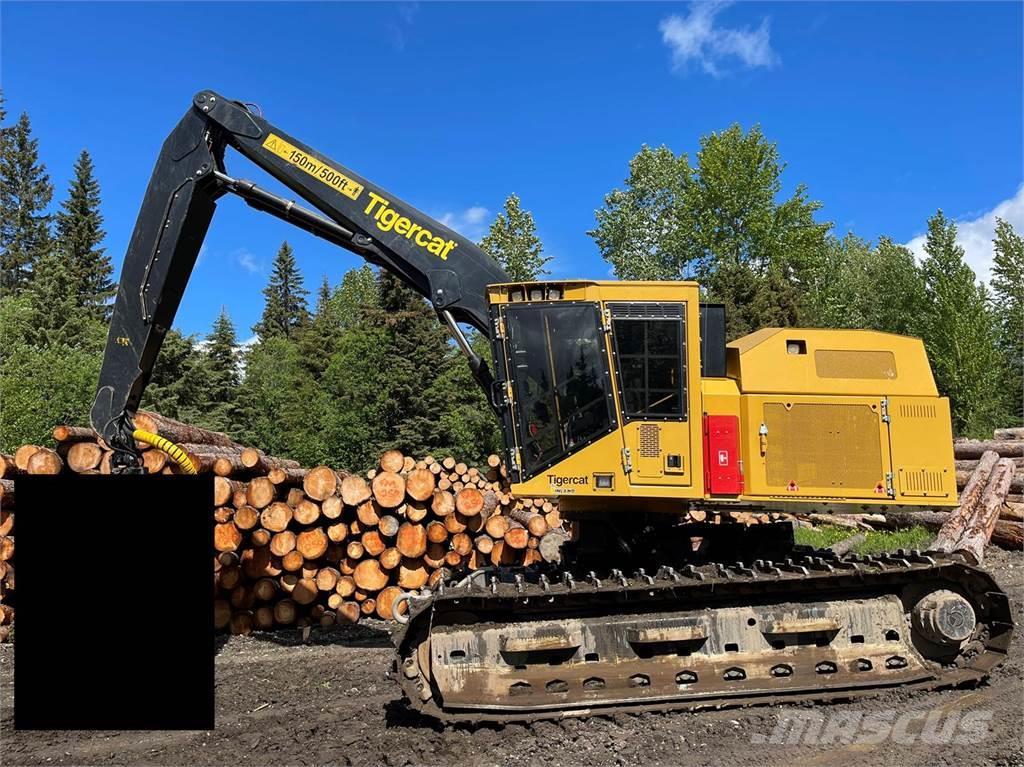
(513, 645)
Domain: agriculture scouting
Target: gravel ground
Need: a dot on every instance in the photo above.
(332, 702)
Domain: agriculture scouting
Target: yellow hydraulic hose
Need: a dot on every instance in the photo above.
(177, 455)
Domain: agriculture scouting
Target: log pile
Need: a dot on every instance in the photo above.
(299, 547)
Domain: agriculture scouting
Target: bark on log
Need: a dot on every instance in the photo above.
(1016, 481)
(180, 433)
(1007, 534)
(73, 434)
(1016, 432)
(970, 527)
(975, 448)
(259, 462)
(847, 545)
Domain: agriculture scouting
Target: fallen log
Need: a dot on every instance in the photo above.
(1006, 534)
(969, 528)
(1016, 432)
(71, 434)
(845, 546)
(973, 448)
(180, 433)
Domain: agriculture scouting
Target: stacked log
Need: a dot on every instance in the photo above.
(299, 547)
(1005, 443)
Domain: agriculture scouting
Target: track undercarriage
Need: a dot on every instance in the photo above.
(508, 645)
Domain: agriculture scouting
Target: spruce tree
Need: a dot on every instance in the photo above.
(1008, 289)
(960, 333)
(512, 241)
(25, 193)
(79, 234)
(320, 339)
(177, 387)
(219, 403)
(285, 312)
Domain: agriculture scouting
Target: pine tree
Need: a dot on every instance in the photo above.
(25, 193)
(56, 316)
(320, 339)
(285, 312)
(79, 234)
(177, 387)
(1008, 289)
(512, 241)
(220, 352)
(960, 333)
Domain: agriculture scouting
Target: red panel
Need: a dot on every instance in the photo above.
(723, 474)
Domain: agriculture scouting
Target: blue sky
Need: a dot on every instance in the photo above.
(886, 111)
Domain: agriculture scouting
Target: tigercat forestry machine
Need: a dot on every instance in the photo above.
(624, 401)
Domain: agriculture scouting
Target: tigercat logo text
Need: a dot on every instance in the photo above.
(388, 219)
(557, 481)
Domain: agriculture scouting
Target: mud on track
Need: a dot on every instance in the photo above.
(332, 702)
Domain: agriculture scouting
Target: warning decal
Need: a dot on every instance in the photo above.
(338, 181)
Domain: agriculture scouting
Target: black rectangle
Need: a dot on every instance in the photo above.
(712, 340)
(115, 606)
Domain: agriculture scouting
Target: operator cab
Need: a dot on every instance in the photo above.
(600, 382)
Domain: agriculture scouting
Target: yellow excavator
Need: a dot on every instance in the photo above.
(623, 400)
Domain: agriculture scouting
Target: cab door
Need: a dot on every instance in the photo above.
(649, 353)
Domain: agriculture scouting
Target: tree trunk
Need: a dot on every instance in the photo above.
(975, 448)
(970, 527)
(180, 433)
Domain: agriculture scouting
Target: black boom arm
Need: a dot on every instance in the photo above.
(442, 265)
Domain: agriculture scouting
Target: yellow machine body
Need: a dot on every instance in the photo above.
(809, 416)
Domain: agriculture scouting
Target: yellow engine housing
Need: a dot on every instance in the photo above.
(836, 418)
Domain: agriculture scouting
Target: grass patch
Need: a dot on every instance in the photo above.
(878, 542)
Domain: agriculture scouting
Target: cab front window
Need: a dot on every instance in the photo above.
(558, 366)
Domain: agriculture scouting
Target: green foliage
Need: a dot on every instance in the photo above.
(177, 388)
(512, 241)
(219, 404)
(25, 193)
(285, 312)
(358, 291)
(643, 230)
(281, 404)
(1008, 304)
(720, 222)
(79, 234)
(960, 334)
(853, 286)
(876, 541)
(41, 387)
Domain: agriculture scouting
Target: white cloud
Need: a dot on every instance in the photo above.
(695, 37)
(247, 261)
(975, 235)
(470, 223)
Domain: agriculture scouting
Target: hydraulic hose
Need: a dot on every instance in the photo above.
(177, 455)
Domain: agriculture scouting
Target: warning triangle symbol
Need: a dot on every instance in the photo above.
(272, 145)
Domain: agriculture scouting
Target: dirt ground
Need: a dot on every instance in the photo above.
(332, 702)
